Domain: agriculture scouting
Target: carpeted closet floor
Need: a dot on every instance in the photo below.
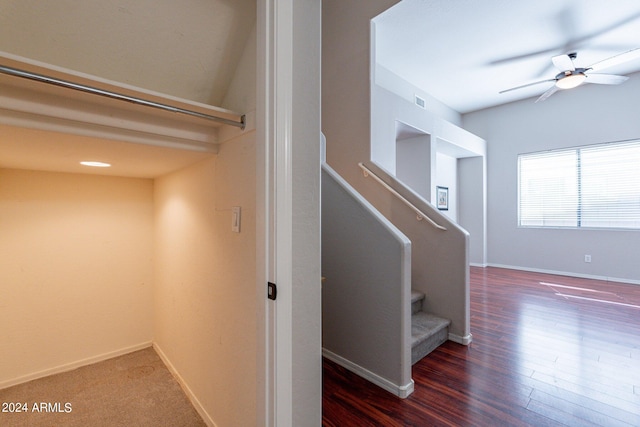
(131, 390)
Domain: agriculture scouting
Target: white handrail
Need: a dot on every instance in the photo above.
(419, 214)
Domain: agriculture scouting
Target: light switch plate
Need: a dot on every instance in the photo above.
(235, 219)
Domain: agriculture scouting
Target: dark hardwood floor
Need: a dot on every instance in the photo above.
(547, 350)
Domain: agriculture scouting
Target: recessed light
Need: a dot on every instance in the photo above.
(96, 164)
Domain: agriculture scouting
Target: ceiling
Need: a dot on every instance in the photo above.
(35, 149)
(465, 52)
(188, 49)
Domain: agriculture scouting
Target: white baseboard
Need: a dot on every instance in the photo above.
(402, 391)
(110, 355)
(185, 387)
(464, 340)
(477, 264)
(73, 365)
(566, 273)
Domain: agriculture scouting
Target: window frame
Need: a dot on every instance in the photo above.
(579, 215)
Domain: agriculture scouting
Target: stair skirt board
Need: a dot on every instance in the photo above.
(402, 391)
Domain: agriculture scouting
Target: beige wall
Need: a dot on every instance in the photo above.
(93, 266)
(205, 299)
(205, 294)
(77, 257)
(75, 270)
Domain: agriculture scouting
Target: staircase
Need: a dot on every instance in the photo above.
(427, 331)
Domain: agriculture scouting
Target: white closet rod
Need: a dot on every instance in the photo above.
(101, 92)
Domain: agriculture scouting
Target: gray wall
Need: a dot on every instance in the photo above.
(435, 149)
(307, 311)
(413, 163)
(587, 115)
(439, 258)
(346, 87)
(347, 122)
(366, 317)
(472, 211)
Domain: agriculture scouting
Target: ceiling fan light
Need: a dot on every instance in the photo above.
(571, 81)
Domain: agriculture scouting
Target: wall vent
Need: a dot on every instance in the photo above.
(420, 102)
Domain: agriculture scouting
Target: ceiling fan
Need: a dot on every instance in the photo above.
(571, 76)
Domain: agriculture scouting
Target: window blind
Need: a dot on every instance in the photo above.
(593, 186)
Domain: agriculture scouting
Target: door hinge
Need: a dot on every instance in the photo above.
(272, 291)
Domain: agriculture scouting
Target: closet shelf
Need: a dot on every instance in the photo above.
(33, 94)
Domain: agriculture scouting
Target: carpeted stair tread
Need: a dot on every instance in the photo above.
(416, 301)
(416, 296)
(427, 333)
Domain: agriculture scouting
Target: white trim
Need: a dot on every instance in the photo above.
(478, 264)
(156, 138)
(464, 340)
(265, 391)
(566, 273)
(74, 365)
(282, 174)
(402, 391)
(275, 99)
(192, 397)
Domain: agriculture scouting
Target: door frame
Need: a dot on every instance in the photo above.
(274, 237)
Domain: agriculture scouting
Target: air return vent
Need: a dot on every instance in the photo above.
(420, 102)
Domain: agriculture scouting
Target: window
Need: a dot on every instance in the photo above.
(593, 186)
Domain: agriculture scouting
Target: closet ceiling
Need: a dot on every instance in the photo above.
(187, 49)
(22, 148)
(464, 52)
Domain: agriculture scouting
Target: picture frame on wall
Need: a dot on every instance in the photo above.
(442, 198)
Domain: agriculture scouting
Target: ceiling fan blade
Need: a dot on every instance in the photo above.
(553, 89)
(563, 63)
(606, 79)
(620, 58)
(527, 85)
